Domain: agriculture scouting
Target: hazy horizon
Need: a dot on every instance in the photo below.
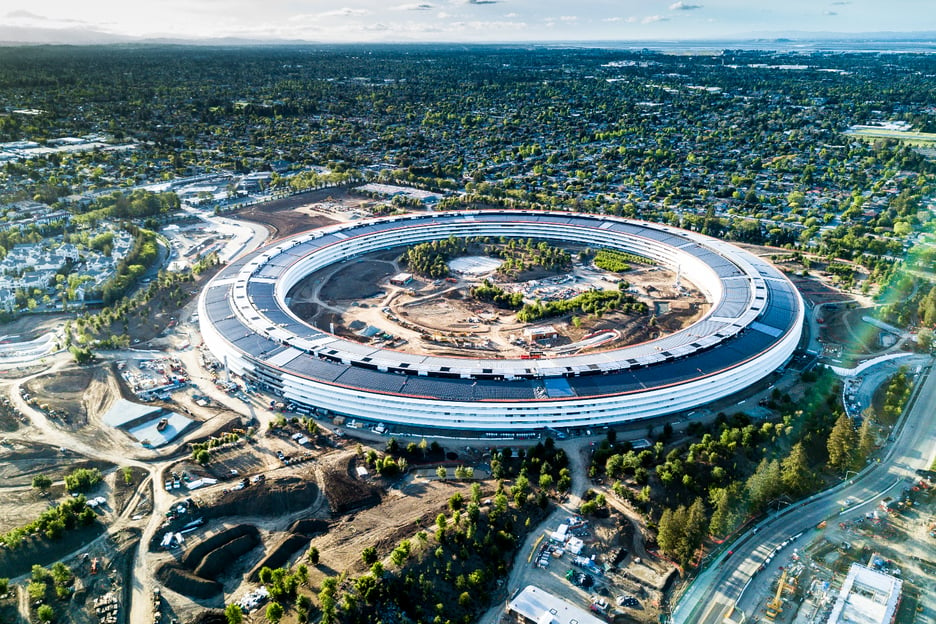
(453, 21)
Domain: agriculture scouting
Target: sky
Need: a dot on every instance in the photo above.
(468, 20)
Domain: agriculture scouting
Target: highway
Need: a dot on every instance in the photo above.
(719, 591)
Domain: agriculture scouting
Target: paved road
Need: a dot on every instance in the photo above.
(871, 379)
(714, 593)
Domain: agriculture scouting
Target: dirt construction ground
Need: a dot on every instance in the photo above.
(395, 513)
(19, 463)
(440, 317)
(296, 214)
(73, 393)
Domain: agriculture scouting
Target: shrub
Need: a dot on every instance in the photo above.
(82, 479)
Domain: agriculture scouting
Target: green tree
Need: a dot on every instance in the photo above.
(765, 484)
(274, 612)
(313, 555)
(671, 530)
(441, 472)
(797, 476)
(565, 481)
(476, 493)
(36, 590)
(42, 483)
(61, 575)
(867, 441)
(369, 555)
(842, 444)
(681, 531)
(82, 479)
(327, 601)
(234, 614)
(727, 508)
(925, 339)
(82, 355)
(45, 613)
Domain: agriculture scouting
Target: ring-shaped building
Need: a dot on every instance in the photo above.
(752, 328)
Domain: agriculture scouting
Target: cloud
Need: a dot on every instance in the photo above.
(629, 20)
(344, 12)
(829, 13)
(841, 2)
(422, 6)
(482, 1)
(569, 18)
(683, 6)
(650, 19)
(21, 15)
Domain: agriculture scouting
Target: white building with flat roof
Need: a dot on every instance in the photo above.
(867, 597)
(537, 606)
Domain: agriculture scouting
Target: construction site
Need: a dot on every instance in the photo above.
(876, 565)
(441, 317)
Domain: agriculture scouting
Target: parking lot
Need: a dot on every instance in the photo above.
(592, 564)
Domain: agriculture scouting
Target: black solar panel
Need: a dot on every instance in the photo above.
(315, 368)
(381, 382)
(255, 345)
(230, 328)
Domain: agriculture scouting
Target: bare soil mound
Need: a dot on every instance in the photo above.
(345, 493)
(195, 554)
(220, 559)
(180, 580)
(9, 415)
(282, 216)
(194, 575)
(65, 393)
(309, 527)
(211, 616)
(272, 498)
(280, 554)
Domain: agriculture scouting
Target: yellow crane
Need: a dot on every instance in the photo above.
(775, 606)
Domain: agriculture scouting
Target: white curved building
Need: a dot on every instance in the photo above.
(752, 329)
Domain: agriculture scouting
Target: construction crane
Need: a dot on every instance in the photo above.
(775, 606)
